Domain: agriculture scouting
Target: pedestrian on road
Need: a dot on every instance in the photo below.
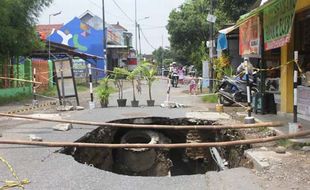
(192, 86)
(181, 75)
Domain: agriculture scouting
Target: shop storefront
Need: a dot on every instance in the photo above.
(302, 45)
(285, 28)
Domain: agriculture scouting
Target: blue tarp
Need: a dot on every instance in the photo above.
(221, 42)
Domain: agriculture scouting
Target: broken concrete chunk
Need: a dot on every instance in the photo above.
(263, 148)
(280, 150)
(65, 108)
(63, 127)
(35, 138)
(306, 148)
(79, 108)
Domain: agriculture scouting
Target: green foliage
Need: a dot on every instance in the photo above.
(119, 75)
(222, 67)
(82, 87)
(285, 143)
(16, 98)
(210, 98)
(149, 72)
(132, 76)
(17, 21)
(103, 91)
(189, 29)
(163, 56)
(50, 92)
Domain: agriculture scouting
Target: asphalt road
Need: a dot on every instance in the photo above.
(47, 169)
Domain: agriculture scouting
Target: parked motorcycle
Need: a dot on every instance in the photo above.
(174, 80)
(233, 89)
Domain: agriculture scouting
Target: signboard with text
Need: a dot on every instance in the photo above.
(250, 38)
(278, 22)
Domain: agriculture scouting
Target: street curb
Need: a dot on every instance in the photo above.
(32, 108)
(279, 132)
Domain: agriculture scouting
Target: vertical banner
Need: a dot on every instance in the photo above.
(278, 22)
(250, 38)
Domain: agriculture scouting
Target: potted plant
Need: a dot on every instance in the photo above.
(103, 92)
(149, 74)
(132, 76)
(119, 76)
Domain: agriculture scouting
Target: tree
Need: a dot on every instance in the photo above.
(17, 21)
(162, 56)
(189, 29)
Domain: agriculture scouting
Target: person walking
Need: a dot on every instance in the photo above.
(192, 86)
(181, 75)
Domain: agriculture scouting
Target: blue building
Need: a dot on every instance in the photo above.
(86, 35)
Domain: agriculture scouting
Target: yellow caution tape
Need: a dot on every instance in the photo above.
(9, 183)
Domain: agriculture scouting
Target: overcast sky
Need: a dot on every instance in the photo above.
(153, 27)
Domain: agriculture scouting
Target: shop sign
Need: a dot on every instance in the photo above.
(278, 21)
(249, 43)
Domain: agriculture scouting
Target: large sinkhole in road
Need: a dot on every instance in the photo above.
(159, 161)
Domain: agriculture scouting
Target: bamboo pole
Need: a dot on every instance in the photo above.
(179, 145)
(138, 126)
(21, 80)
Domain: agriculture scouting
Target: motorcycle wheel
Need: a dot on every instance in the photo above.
(225, 101)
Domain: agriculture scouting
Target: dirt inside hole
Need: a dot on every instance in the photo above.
(160, 161)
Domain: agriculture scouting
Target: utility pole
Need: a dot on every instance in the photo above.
(139, 39)
(162, 55)
(49, 38)
(211, 50)
(136, 32)
(105, 60)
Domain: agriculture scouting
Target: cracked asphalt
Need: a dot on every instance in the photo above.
(47, 169)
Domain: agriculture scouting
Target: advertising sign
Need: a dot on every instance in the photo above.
(250, 38)
(65, 80)
(278, 22)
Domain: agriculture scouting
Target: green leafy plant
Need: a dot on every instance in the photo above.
(120, 75)
(104, 91)
(132, 76)
(210, 98)
(149, 74)
(222, 67)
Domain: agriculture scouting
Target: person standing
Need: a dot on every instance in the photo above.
(192, 86)
(181, 75)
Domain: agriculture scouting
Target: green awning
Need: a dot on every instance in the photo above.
(254, 12)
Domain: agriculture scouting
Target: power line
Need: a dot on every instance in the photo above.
(122, 11)
(100, 8)
(147, 41)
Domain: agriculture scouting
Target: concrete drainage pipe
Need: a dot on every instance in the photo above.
(139, 159)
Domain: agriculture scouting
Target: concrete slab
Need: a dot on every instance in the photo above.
(263, 159)
(243, 178)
